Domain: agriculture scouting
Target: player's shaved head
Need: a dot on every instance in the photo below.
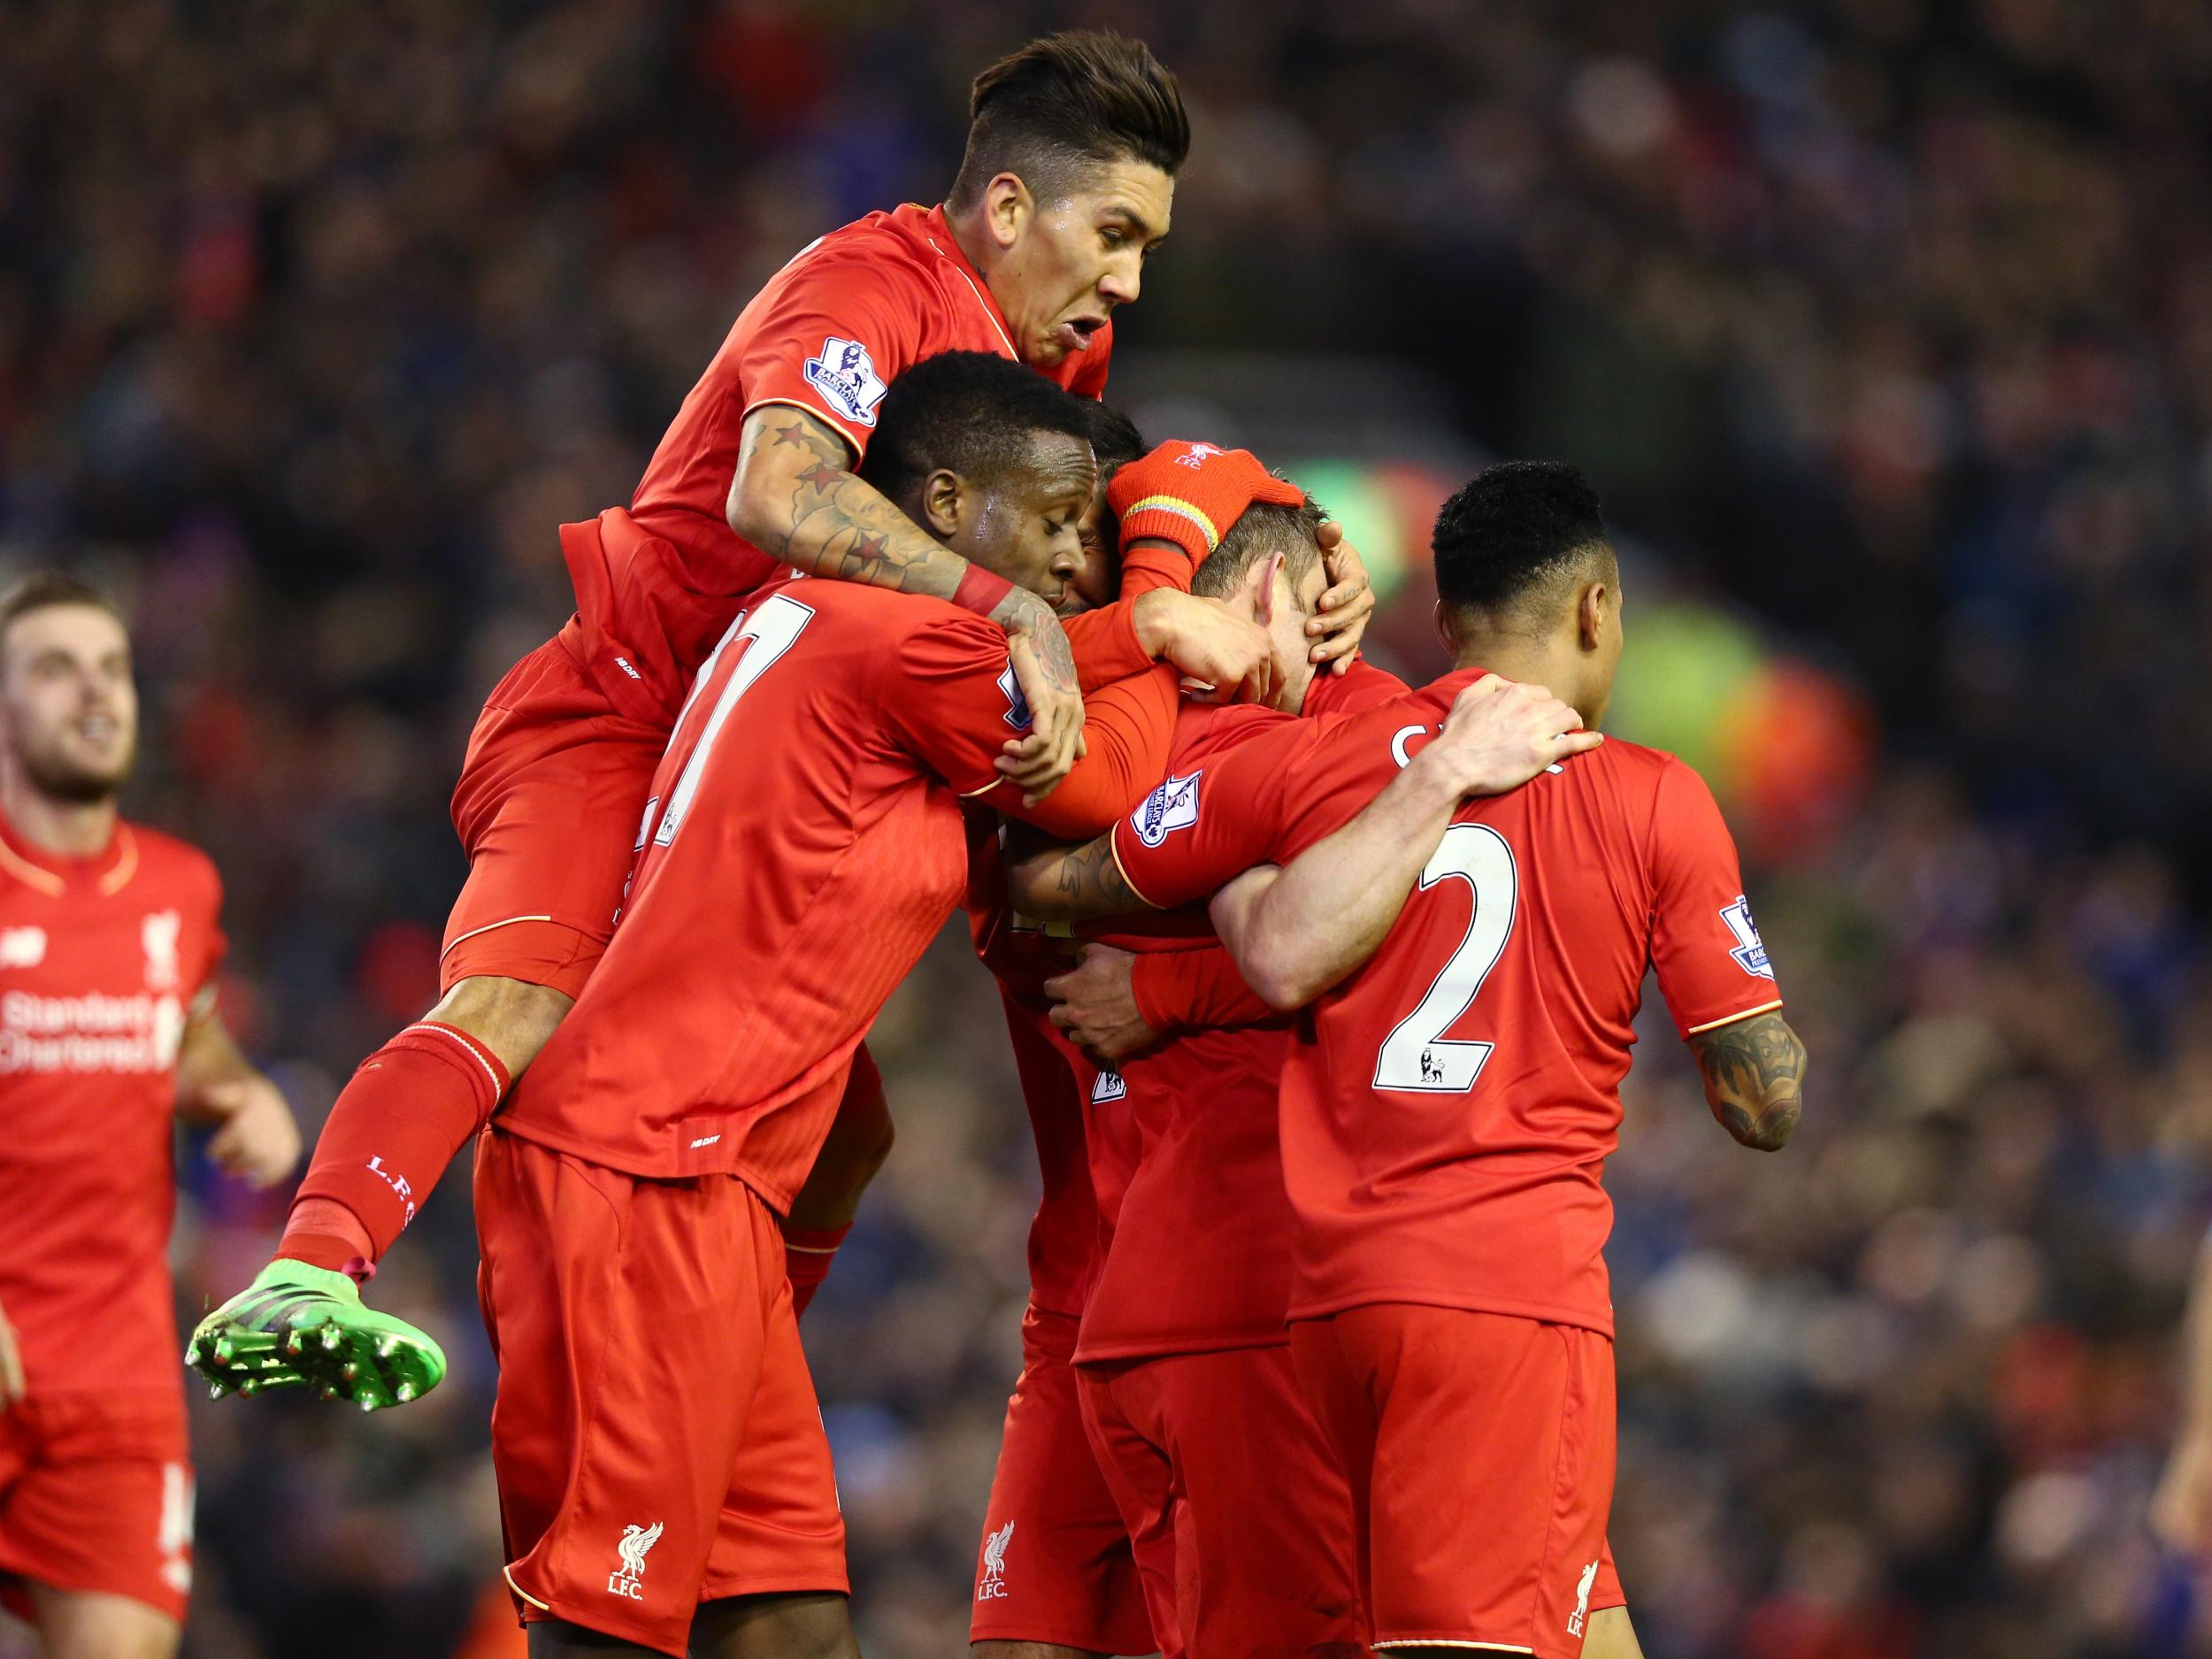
(1055, 112)
(68, 710)
(1512, 546)
(1263, 528)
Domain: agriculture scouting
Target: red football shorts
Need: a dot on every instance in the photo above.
(96, 1493)
(654, 1435)
(1055, 1565)
(1479, 1450)
(552, 793)
(1225, 1480)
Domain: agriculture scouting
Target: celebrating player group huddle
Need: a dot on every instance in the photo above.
(1320, 986)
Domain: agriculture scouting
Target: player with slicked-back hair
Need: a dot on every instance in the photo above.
(1067, 103)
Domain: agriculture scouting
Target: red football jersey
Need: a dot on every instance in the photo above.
(101, 960)
(1198, 1256)
(828, 333)
(1447, 1111)
(802, 845)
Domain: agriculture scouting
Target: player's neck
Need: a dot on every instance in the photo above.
(67, 829)
(1519, 656)
(975, 247)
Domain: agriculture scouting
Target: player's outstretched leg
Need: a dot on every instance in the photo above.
(298, 1325)
(817, 1625)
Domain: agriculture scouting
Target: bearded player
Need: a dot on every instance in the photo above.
(108, 944)
(1065, 190)
(1474, 968)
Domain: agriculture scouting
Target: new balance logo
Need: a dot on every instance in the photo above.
(629, 1578)
(1576, 1619)
(991, 1587)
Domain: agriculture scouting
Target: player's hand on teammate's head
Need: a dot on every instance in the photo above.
(1189, 494)
(1501, 732)
(1095, 1003)
(1224, 657)
(1341, 622)
(11, 1387)
(259, 1142)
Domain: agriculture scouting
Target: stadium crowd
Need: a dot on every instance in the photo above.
(1892, 322)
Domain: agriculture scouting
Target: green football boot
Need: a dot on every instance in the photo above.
(301, 1327)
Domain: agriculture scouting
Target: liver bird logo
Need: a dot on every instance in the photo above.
(635, 1542)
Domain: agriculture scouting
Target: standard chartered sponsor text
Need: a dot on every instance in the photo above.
(91, 1033)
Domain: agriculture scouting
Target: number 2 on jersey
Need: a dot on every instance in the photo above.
(770, 630)
(1416, 1055)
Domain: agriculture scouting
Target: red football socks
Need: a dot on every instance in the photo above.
(395, 1127)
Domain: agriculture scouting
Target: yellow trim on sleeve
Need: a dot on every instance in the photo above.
(1729, 1019)
(1113, 846)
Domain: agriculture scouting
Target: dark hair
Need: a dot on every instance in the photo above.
(42, 590)
(971, 412)
(1261, 529)
(1066, 101)
(1115, 439)
(1515, 529)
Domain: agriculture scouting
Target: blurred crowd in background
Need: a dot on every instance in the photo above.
(1886, 325)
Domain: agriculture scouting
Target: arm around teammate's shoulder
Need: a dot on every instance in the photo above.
(1754, 1078)
(796, 496)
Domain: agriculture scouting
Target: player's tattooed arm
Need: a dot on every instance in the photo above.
(796, 496)
(1754, 1075)
(1071, 884)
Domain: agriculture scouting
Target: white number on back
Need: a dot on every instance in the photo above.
(1415, 1055)
(770, 630)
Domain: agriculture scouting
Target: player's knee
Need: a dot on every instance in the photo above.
(812, 1626)
(512, 1017)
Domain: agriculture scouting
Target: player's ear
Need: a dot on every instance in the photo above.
(1590, 615)
(1006, 207)
(1270, 573)
(942, 492)
(1443, 622)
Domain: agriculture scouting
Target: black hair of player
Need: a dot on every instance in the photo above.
(969, 412)
(1067, 102)
(1513, 533)
(1261, 529)
(1115, 440)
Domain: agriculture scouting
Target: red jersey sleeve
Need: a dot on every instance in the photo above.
(1711, 964)
(1205, 826)
(1194, 990)
(955, 702)
(1105, 645)
(832, 342)
(1128, 733)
